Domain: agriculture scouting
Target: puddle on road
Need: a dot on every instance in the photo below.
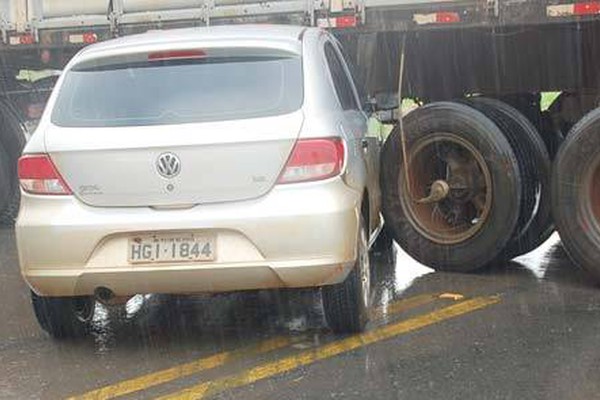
(407, 270)
(539, 260)
(153, 318)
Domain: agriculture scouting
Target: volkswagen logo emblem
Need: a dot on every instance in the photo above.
(168, 165)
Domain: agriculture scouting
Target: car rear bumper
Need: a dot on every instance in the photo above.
(300, 235)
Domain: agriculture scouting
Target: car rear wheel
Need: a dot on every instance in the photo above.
(64, 317)
(346, 304)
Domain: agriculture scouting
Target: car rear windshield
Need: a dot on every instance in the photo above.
(179, 91)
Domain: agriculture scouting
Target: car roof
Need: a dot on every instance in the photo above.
(270, 34)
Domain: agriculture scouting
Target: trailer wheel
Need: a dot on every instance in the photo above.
(576, 193)
(461, 205)
(12, 138)
(535, 223)
(9, 213)
(5, 184)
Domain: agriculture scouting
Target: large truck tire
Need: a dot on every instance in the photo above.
(535, 222)
(512, 132)
(9, 213)
(12, 139)
(576, 193)
(461, 206)
(5, 184)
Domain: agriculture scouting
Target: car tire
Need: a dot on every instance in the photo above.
(346, 304)
(64, 317)
(576, 193)
(537, 224)
(450, 127)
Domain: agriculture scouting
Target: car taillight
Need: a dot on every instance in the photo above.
(38, 175)
(313, 160)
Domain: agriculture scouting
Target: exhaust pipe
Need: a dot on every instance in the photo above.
(107, 297)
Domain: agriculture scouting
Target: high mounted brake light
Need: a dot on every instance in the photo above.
(314, 160)
(176, 55)
(38, 175)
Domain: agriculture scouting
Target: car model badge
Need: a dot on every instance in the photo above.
(168, 165)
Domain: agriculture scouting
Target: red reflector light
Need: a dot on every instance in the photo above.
(38, 175)
(587, 8)
(83, 38)
(21, 39)
(447, 17)
(313, 160)
(90, 37)
(348, 21)
(176, 55)
(27, 39)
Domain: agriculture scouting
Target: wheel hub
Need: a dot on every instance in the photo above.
(448, 193)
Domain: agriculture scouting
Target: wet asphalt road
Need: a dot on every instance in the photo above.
(526, 330)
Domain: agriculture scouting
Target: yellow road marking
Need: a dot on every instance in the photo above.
(180, 371)
(290, 363)
(403, 305)
(452, 296)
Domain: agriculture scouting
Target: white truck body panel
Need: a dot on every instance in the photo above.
(20, 15)
(13, 14)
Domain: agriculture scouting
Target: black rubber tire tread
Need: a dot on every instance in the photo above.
(9, 214)
(12, 133)
(511, 131)
(344, 311)
(473, 126)
(5, 181)
(56, 315)
(12, 138)
(580, 235)
(541, 224)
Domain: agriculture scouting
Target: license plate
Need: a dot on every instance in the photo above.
(171, 248)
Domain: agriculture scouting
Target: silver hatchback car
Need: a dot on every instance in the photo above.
(200, 160)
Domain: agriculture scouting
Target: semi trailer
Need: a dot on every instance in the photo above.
(479, 172)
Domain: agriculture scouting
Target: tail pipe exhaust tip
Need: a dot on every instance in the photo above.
(107, 297)
(103, 294)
